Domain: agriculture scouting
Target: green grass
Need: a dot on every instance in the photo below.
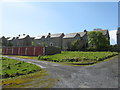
(23, 74)
(77, 57)
(74, 57)
(26, 57)
(23, 81)
(12, 68)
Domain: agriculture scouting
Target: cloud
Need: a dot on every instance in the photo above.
(113, 37)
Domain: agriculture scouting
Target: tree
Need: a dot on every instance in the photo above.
(113, 48)
(97, 41)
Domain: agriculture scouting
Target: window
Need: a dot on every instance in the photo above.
(51, 44)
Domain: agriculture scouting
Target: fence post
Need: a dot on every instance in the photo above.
(25, 51)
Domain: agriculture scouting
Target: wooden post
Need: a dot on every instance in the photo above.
(25, 51)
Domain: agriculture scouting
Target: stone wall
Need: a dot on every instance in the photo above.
(52, 50)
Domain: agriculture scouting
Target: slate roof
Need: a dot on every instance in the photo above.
(39, 37)
(56, 35)
(11, 38)
(22, 36)
(103, 31)
(70, 35)
(8, 38)
(32, 37)
(2, 37)
(82, 33)
(45, 35)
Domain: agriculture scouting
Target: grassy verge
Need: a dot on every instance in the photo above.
(18, 74)
(16, 81)
(79, 58)
(75, 57)
(26, 57)
(13, 68)
(32, 80)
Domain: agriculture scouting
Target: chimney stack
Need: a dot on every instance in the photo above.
(85, 30)
(49, 34)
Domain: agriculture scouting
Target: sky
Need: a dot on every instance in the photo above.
(36, 18)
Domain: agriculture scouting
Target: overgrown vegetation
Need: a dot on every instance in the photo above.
(97, 41)
(78, 57)
(12, 68)
(113, 48)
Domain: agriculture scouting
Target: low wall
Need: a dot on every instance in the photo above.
(52, 50)
(30, 51)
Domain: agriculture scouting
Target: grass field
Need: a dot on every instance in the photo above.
(24, 81)
(74, 57)
(78, 57)
(12, 68)
(23, 74)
